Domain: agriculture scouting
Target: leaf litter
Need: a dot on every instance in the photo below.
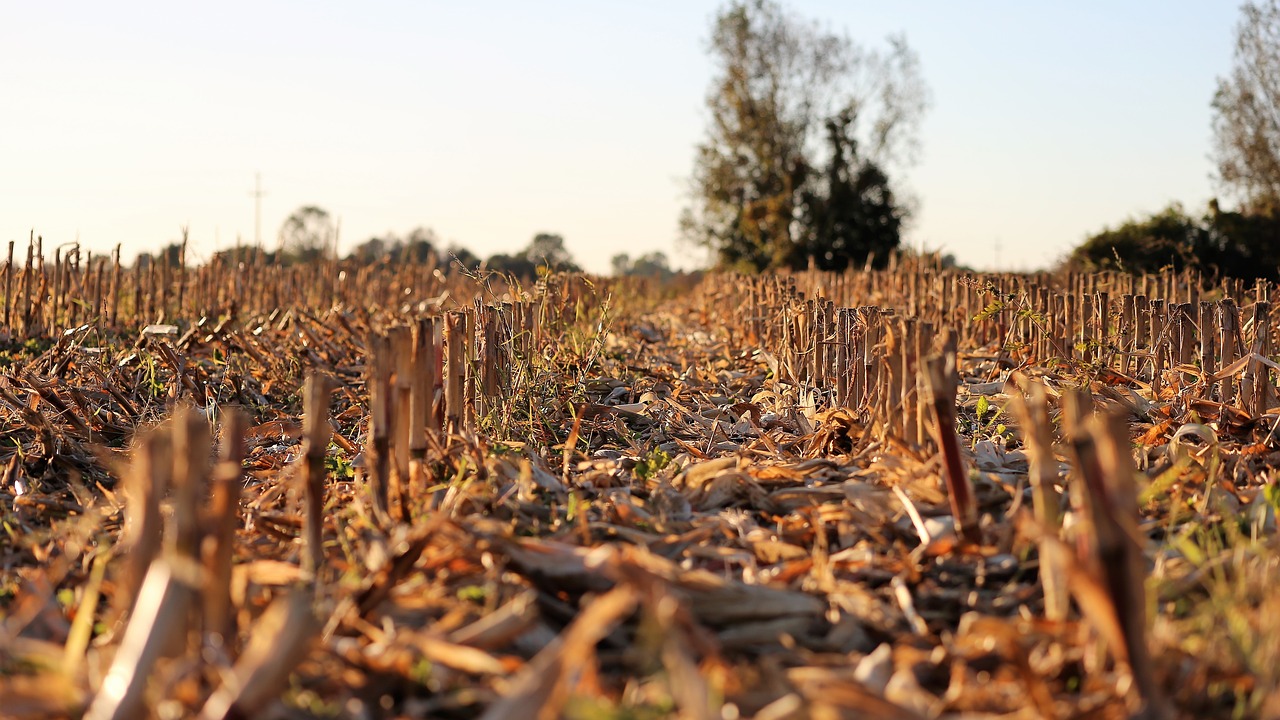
(722, 498)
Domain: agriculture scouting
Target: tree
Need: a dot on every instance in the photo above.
(849, 211)
(781, 82)
(651, 264)
(459, 256)
(1221, 243)
(1168, 239)
(1242, 245)
(1246, 106)
(370, 251)
(173, 254)
(248, 254)
(517, 265)
(548, 250)
(418, 247)
(307, 234)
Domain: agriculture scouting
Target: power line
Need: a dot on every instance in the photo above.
(257, 194)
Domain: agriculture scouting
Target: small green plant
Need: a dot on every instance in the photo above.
(336, 466)
(1271, 492)
(982, 408)
(990, 311)
(988, 422)
(154, 384)
(651, 464)
(421, 671)
(576, 505)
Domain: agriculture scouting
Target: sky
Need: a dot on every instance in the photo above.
(123, 123)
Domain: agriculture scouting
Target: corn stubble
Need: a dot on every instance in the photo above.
(403, 491)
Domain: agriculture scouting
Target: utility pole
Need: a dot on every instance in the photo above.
(257, 209)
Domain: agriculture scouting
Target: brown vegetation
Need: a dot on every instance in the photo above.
(335, 490)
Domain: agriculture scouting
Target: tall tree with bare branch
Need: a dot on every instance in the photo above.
(1246, 122)
(762, 188)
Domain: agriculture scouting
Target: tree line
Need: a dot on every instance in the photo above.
(809, 136)
(805, 129)
(310, 233)
(1244, 242)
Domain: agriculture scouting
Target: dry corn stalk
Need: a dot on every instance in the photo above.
(942, 390)
(278, 642)
(316, 433)
(1032, 409)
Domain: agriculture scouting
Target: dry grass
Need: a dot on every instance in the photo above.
(392, 492)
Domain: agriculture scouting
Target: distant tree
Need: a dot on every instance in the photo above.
(370, 251)
(243, 254)
(456, 255)
(517, 265)
(1242, 245)
(419, 246)
(548, 250)
(172, 254)
(781, 81)
(652, 264)
(1246, 122)
(1165, 240)
(848, 212)
(1219, 243)
(307, 234)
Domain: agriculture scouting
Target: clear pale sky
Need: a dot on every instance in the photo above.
(490, 122)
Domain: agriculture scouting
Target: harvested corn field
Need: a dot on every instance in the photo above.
(325, 490)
